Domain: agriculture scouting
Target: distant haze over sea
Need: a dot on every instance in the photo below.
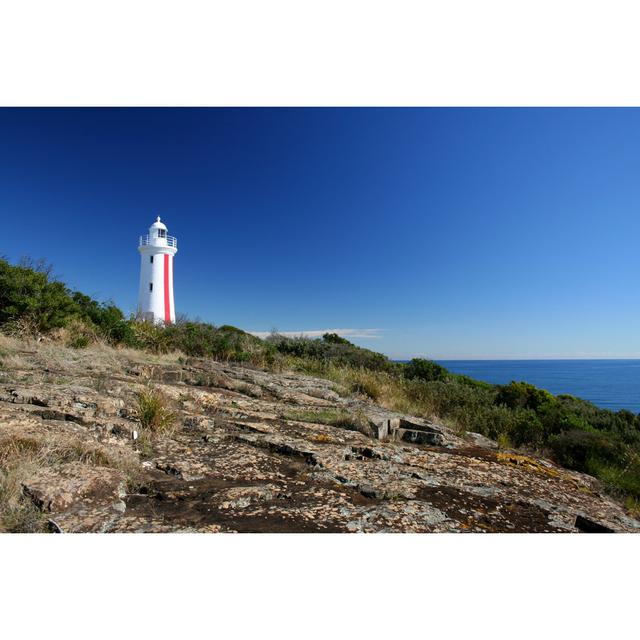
(610, 384)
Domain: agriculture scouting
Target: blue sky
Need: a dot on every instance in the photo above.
(449, 233)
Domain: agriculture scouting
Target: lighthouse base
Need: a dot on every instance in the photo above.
(149, 316)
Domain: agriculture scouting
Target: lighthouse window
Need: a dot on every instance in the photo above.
(162, 233)
(151, 259)
(151, 286)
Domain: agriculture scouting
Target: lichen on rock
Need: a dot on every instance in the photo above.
(257, 451)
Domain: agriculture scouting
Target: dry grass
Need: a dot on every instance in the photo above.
(79, 334)
(13, 353)
(16, 362)
(9, 344)
(141, 357)
(154, 413)
(24, 328)
(156, 419)
(17, 513)
(386, 390)
(55, 353)
(21, 456)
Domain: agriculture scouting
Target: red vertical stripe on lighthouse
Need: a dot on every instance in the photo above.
(167, 299)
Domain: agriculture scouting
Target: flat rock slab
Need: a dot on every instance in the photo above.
(78, 495)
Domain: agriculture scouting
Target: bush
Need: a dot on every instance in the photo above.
(528, 430)
(334, 349)
(107, 318)
(579, 450)
(203, 340)
(32, 301)
(621, 480)
(522, 395)
(556, 418)
(334, 338)
(29, 294)
(470, 382)
(150, 337)
(198, 339)
(426, 370)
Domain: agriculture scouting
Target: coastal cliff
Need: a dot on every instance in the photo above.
(249, 450)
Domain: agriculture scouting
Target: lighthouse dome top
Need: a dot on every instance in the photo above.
(158, 225)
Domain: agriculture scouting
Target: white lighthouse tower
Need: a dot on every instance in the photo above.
(155, 298)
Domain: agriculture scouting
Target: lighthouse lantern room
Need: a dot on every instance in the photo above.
(155, 297)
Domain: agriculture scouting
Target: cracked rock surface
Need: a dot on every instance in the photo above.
(239, 462)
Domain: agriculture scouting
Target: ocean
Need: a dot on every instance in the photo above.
(610, 384)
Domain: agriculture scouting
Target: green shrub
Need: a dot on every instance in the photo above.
(107, 318)
(528, 430)
(426, 370)
(149, 336)
(620, 479)
(31, 298)
(556, 418)
(522, 395)
(334, 338)
(29, 293)
(579, 450)
(204, 340)
(471, 382)
(334, 349)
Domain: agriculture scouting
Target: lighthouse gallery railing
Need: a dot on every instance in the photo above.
(171, 241)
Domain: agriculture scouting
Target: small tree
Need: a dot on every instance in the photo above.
(426, 370)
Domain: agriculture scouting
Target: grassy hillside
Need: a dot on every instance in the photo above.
(576, 433)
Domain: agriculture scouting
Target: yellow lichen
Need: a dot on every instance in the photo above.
(525, 462)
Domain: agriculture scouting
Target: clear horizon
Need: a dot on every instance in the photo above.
(452, 234)
(524, 359)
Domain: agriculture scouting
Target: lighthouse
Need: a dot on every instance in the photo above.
(155, 297)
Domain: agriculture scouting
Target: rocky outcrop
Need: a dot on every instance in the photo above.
(242, 461)
(80, 497)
